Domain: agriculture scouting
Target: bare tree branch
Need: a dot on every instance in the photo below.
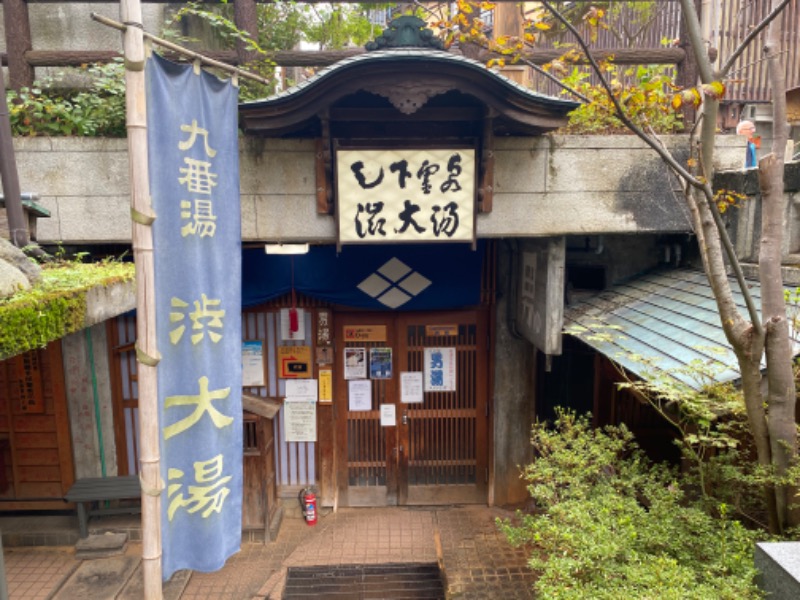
(620, 112)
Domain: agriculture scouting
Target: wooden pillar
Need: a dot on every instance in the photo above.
(18, 42)
(245, 16)
(9, 178)
(687, 74)
(508, 21)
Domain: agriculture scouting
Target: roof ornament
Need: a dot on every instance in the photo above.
(405, 32)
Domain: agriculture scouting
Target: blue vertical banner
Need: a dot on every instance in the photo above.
(193, 156)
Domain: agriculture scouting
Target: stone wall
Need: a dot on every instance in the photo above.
(551, 185)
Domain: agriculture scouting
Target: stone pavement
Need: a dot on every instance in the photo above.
(476, 560)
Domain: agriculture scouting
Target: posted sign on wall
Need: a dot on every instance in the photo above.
(406, 195)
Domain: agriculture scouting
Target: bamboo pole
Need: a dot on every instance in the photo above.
(205, 60)
(146, 346)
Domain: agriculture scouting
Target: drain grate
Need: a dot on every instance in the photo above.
(366, 582)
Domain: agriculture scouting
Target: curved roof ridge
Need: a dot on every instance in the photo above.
(413, 54)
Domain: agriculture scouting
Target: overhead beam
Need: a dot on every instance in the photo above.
(322, 58)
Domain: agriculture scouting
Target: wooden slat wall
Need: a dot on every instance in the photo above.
(124, 382)
(366, 442)
(731, 21)
(442, 432)
(295, 462)
(35, 445)
(749, 76)
(663, 23)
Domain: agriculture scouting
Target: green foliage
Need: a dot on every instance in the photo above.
(792, 298)
(281, 26)
(56, 306)
(336, 26)
(610, 524)
(642, 91)
(710, 418)
(50, 108)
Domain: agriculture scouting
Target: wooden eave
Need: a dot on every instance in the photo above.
(405, 73)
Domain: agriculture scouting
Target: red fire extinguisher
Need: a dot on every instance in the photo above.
(308, 502)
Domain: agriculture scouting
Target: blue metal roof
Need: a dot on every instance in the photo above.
(668, 320)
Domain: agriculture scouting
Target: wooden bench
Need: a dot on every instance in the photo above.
(85, 492)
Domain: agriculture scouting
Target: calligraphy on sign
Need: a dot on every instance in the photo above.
(440, 370)
(193, 159)
(405, 195)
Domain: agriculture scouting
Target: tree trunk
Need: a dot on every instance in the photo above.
(781, 395)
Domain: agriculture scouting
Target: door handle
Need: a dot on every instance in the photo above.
(404, 420)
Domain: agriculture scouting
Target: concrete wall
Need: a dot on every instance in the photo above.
(61, 26)
(543, 186)
(744, 222)
(513, 394)
(83, 368)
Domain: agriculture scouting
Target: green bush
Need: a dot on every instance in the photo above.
(608, 523)
(50, 108)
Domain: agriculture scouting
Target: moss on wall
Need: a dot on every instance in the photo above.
(56, 306)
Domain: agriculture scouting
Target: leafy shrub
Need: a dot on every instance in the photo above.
(50, 108)
(608, 523)
(643, 91)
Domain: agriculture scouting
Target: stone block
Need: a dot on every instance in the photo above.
(101, 546)
(778, 564)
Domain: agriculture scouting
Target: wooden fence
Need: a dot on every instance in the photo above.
(637, 29)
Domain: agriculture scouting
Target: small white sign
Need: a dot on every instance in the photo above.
(411, 387)
(301, 390)
(359, 394)
(388, 415)
(440, 370)
(252, 364)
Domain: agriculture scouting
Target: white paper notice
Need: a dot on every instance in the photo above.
(360, 394)
(388, 415)
(411, 387)
(300, 421)
(301, 390)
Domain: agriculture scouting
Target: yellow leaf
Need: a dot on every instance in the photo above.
(542, 26)
(677, 101)
(715, 90)
(692, 162)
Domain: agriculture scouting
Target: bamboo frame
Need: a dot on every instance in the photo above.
(146, 343)
(196, 56)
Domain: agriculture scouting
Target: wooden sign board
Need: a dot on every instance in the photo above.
(294, 362)
(365, 333)
(540, 296)
(441, 330)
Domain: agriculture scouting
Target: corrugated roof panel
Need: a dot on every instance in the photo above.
(669, 318)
